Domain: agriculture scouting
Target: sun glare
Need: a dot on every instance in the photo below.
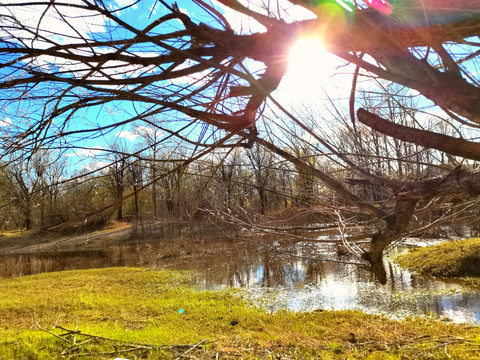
(310, 67)
(306, 52)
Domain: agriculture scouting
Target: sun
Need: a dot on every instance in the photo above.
(310, 68)
(306, 54)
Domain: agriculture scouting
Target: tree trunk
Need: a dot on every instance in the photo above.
(153, 170)
(120, 202)
(135, 194)
(120, 213)
(395, 225)
(28, 222)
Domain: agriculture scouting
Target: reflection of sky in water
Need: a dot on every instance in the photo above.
(330, 293)
(301, 287)
(462, 307)
(334, 294)
(281, 281)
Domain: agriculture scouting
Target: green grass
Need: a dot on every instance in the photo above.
(129, 306)
(453, 259)
(15, 233)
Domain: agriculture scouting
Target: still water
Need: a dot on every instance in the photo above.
(277, 280)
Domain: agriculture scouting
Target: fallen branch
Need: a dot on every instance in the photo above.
(76, 348)
(192, 348)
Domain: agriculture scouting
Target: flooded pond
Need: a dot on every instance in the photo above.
(275, 279)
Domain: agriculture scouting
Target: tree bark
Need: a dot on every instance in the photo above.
(395, 226)
(425, 138)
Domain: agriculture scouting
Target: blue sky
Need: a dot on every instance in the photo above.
(297, 86)
(307, 83)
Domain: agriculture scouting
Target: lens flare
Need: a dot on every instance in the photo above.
(334, 16)
(382, 6)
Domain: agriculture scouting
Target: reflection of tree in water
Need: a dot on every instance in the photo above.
(15, 265)
(305, 284)
(267, 269)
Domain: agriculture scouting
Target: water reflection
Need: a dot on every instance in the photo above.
(296, 283)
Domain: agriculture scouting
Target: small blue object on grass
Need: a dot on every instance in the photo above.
(180, 311)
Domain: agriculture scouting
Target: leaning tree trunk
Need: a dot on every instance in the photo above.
(395, 226)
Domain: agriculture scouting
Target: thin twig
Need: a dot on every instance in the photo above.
(75, 348)
(192, 348)
(52, 333)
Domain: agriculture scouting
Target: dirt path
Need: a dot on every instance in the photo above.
(36, 242)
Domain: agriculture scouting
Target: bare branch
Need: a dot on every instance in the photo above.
(428, 139)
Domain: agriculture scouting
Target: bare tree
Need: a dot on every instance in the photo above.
(262, 163)
(26, 187)
(135, 170)
(153, 138)
(117, 175)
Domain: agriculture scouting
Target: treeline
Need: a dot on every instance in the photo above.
(157, 179)
(38, 192)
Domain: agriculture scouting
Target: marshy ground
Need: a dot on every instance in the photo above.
(145, 313)
(142, 313)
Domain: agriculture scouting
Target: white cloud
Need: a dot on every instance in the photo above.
(241, 23)
(61, 24)
(295, 13)
(282, 9)
(57, 23)
(129, 135)
(5, 122)
(88, 159)
(88, 152)
(123, 3)
(149, 131)
(96, 165)
(153, 9)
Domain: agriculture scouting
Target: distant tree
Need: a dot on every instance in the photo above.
(116, 175)
(24, 186)
(262, 163)
(135, 172)
(84, 195)
(153, 137)
(229, 185)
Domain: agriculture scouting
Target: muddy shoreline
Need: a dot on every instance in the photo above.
(295, 277)
(36, 242)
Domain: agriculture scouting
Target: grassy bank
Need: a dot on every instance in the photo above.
(453, 259)
(141, 313)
